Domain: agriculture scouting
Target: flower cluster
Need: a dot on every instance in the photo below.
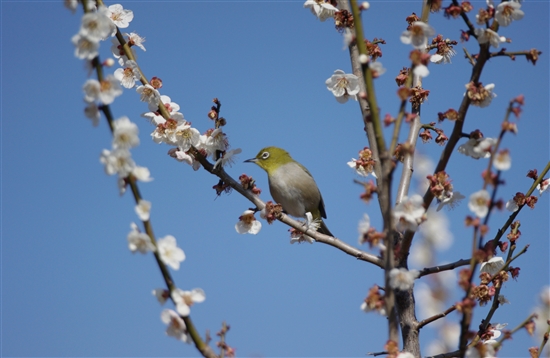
(97, 25)
(442, 189)
(375, 301)
(297, 236)
(480, 95)
(417, 35)
(365, 164)
(477, 146)
(444, 50)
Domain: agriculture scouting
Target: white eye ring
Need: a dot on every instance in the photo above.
(265, 155)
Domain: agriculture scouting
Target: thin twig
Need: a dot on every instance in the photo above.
(446, 267)
(436, 317)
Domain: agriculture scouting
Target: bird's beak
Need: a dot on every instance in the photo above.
(251, 160)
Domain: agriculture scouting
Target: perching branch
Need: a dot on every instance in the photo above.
(259, 204)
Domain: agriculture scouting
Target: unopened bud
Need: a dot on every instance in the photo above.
(108, 62)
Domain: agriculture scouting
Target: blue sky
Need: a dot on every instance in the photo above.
(71, 287)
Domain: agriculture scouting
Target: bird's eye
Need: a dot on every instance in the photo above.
(265, 155)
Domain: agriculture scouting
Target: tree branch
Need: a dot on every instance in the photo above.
(446, 267)
(258, 203)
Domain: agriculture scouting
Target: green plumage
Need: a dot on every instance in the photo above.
(291, 185)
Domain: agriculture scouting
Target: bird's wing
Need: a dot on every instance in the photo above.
(321, 202)
(322, 207)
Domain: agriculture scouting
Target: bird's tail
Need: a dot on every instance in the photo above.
(323, 229)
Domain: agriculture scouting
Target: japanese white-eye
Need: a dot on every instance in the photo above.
(291, 185)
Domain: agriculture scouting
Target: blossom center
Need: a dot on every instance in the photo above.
(343, 83)
(105, 86)
(507, 11)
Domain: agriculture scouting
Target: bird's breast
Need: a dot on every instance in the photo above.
(292, 187)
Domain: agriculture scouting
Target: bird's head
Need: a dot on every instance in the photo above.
(271, 158)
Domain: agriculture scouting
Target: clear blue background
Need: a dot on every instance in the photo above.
(71, 287)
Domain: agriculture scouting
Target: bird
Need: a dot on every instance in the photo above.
(292, 185)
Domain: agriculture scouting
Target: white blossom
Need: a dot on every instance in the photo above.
(96, 26)
(320, 8)
(213, 141)
(109, 89)
(176, 326)
(348, 37)
(71, 5)
(363, 228)
(479, 203)
(502, 160)
(488, 351)
(418, 35)
(409, 213)
(228, 158)
(508, 11)
(435, 231)
(405, 355)
(161, 294)
(169, 252)
(421, 71)
(310, 224)
(119, 161)
(135, 39)
(139, 241)
(181, 156)
(487, 101)
(378, 69)
(248, 224)
(167, 134)
(125, 133)
(543, 186)
(185, 299)
(118, 52)
(85, 48)
(477, 148)
(488, 35)
(445, 58)
(120, 16)
(362, 170)
(128, 75)
(142, 174)
(91, 90)
(92, 112)
(186, 136)
(343, 86)
(155, 118)
(150, 95)
(496, 331)
(402, 279)
(143, 209)
(493, 266)
(366, 308)
(511, 205)
(452, 199)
